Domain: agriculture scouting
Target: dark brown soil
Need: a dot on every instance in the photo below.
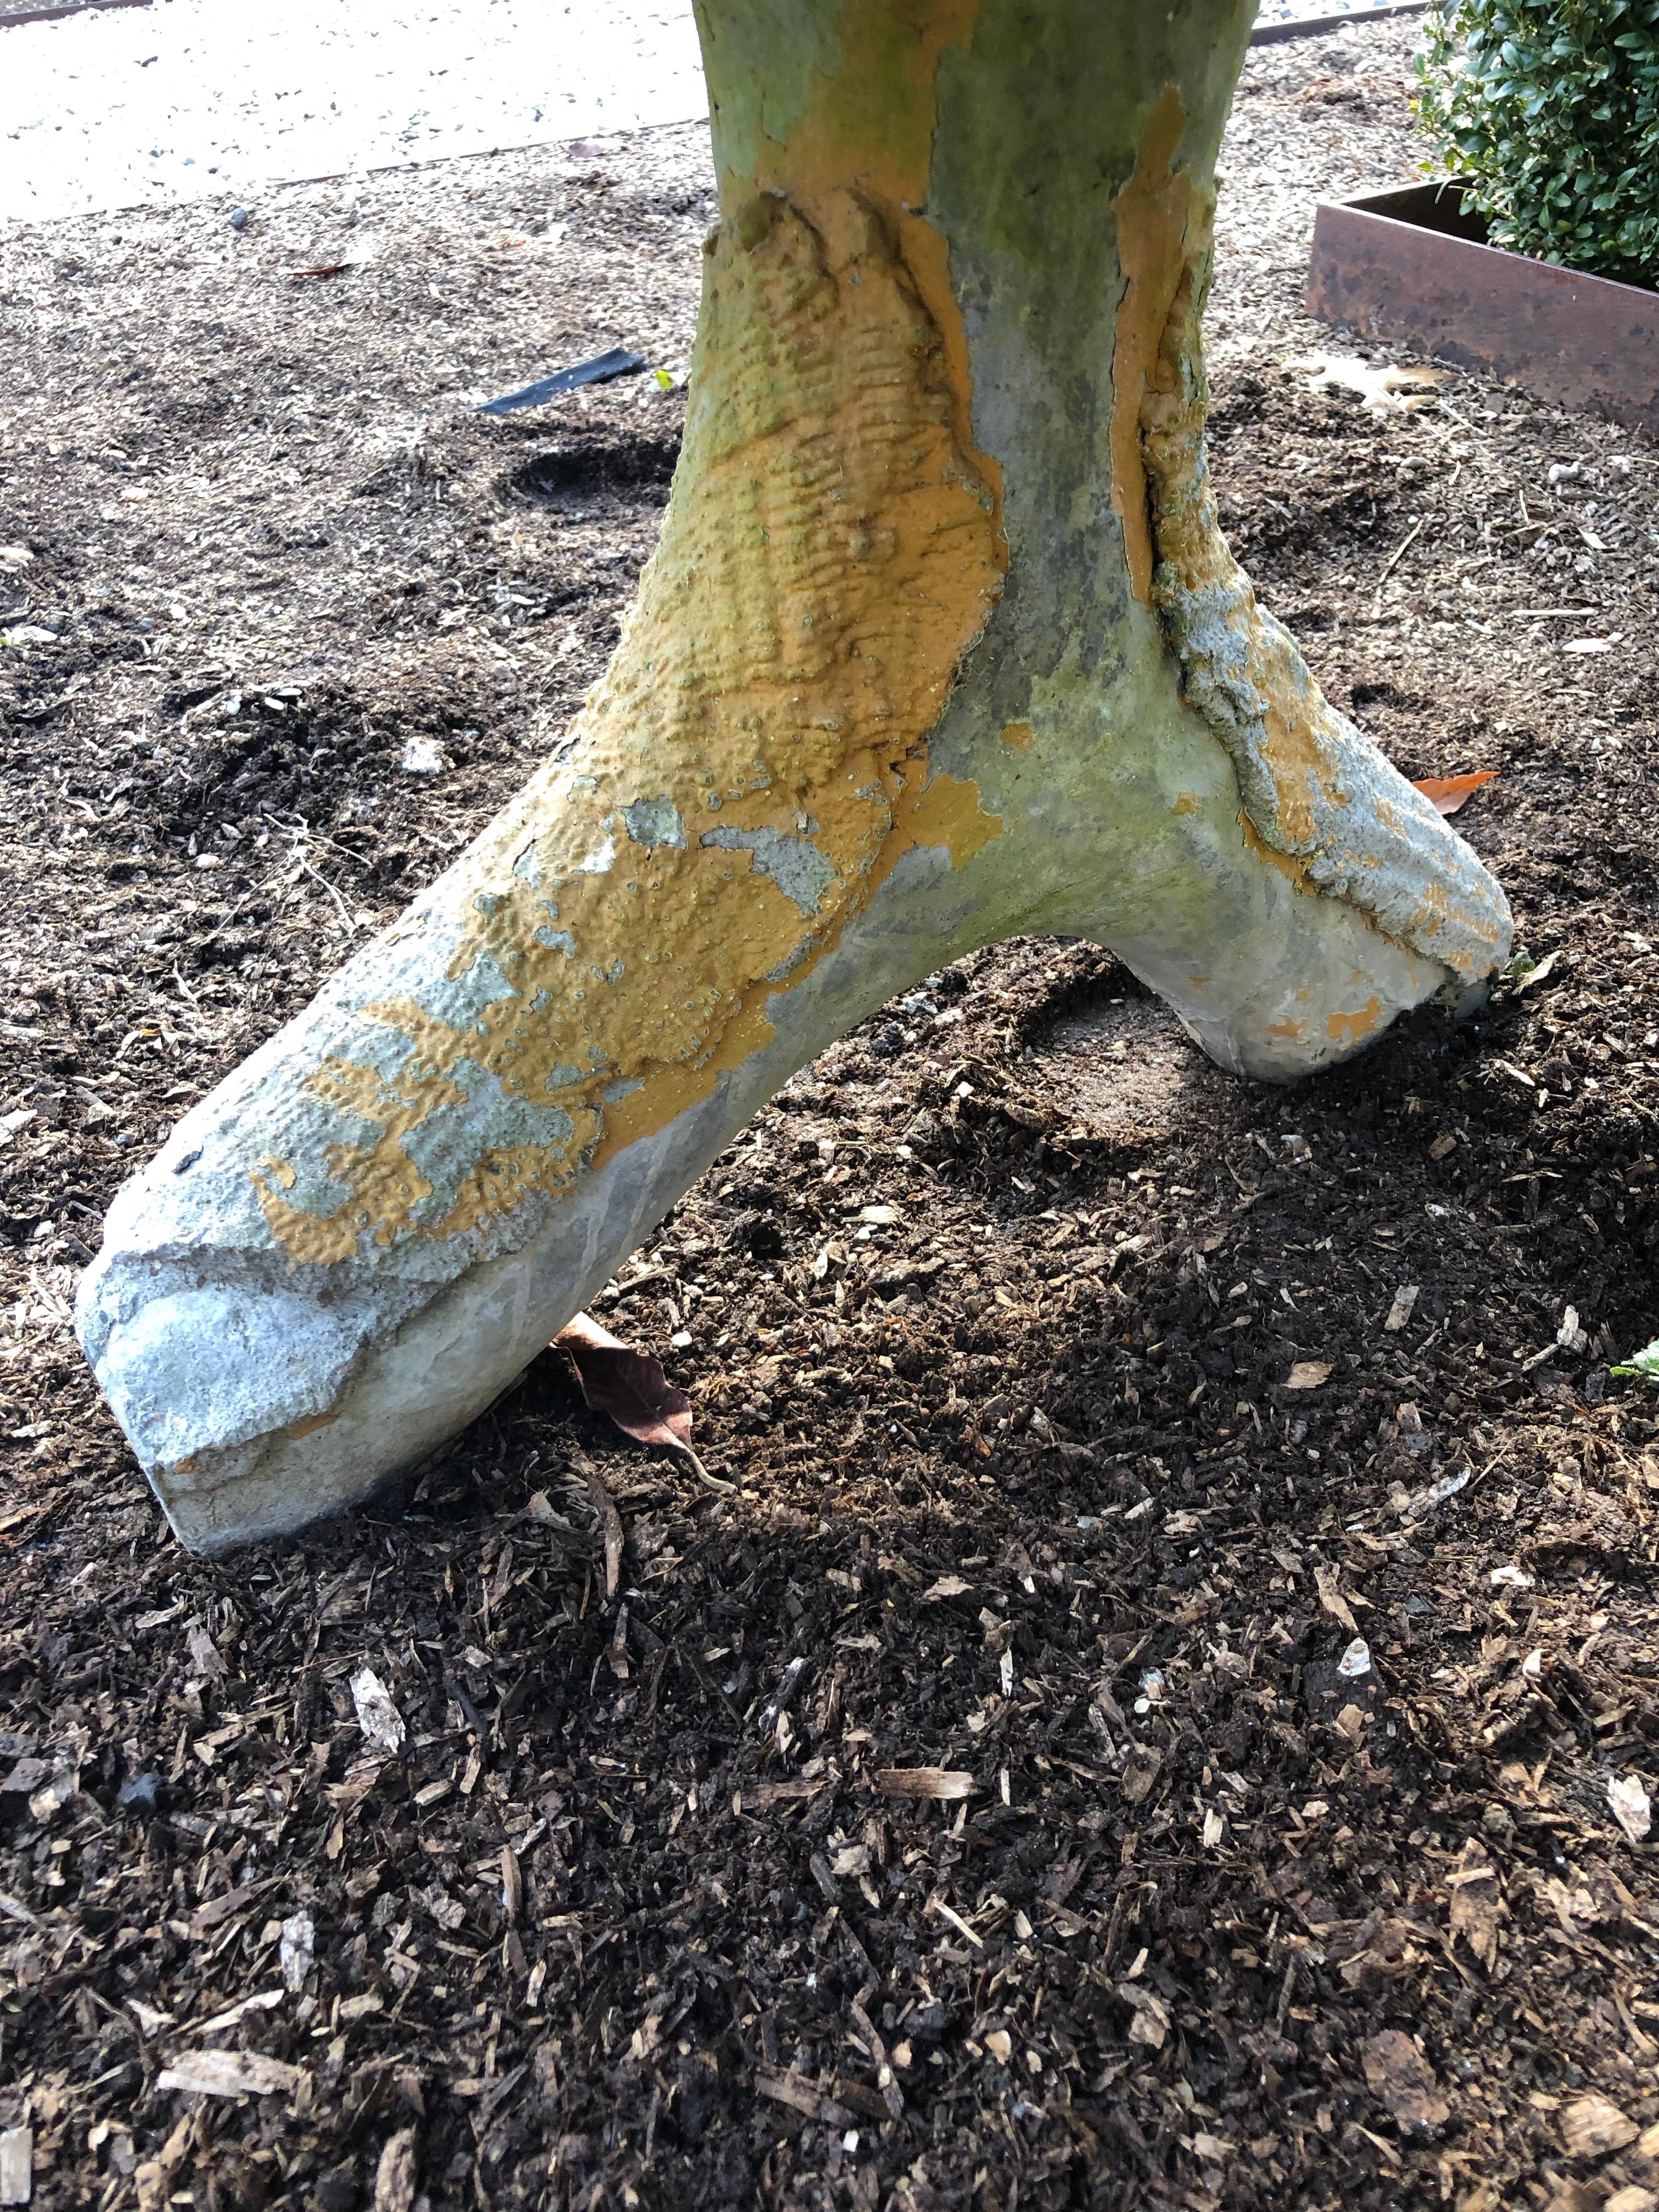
(1023, 1491)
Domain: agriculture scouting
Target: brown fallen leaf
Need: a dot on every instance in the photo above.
(1477, 1902)
(942, 1784)
(1449, 792)
(631, 1387)
(1591, 2127)
(1397, 2073)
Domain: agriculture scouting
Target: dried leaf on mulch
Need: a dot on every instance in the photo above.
(629, 1386)
(1450, 792)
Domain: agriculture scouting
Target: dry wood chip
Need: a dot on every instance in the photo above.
(936, 1904)
(261, 2002)
(1631, 1806)
(1152, 2020)
(761, 1796)
(1400, 1312)
(610, 1520)
(1397, 2073)
(296, 1950)
(17, 2165)
(1477, 1902)
(381, 1723)
(220, 1908)
(942, 1784)
(800, 2094)
(1591, 2127)
(230, 2074)
(1332, 1600)
(398, 2174)
(204, 1654)
(1141, 1765)
(1308, 1374)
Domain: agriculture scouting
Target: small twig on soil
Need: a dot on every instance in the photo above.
(944, 1911)
(311, 870)
(1396, 556)
(713, 1481)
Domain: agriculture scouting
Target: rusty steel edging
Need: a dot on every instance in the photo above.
(1410, 266)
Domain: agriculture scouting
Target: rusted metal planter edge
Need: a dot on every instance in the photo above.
(1411, 265)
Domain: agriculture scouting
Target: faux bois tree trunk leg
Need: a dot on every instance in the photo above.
(941, 643)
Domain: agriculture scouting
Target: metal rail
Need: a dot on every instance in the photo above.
(1314, 26)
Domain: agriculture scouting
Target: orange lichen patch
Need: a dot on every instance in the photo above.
(1286, 863)
(753, 765)
(947, 811)
(1020, 735)
(1350, 1029)
(385, 1185)
(869, 126)
(1152, 213)
(1290, 1029)
(1189, 803)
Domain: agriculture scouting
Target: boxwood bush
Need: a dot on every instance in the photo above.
(1551, 109)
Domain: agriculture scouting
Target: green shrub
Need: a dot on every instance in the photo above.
(1551, 107)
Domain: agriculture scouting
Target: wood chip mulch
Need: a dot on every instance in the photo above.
(1166, 1712)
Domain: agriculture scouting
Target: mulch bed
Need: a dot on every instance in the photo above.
(990, 1323)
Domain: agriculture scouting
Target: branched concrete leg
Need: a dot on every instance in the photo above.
(941, 643)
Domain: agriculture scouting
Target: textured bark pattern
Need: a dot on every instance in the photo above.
(747, 769)
(1318, 797)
